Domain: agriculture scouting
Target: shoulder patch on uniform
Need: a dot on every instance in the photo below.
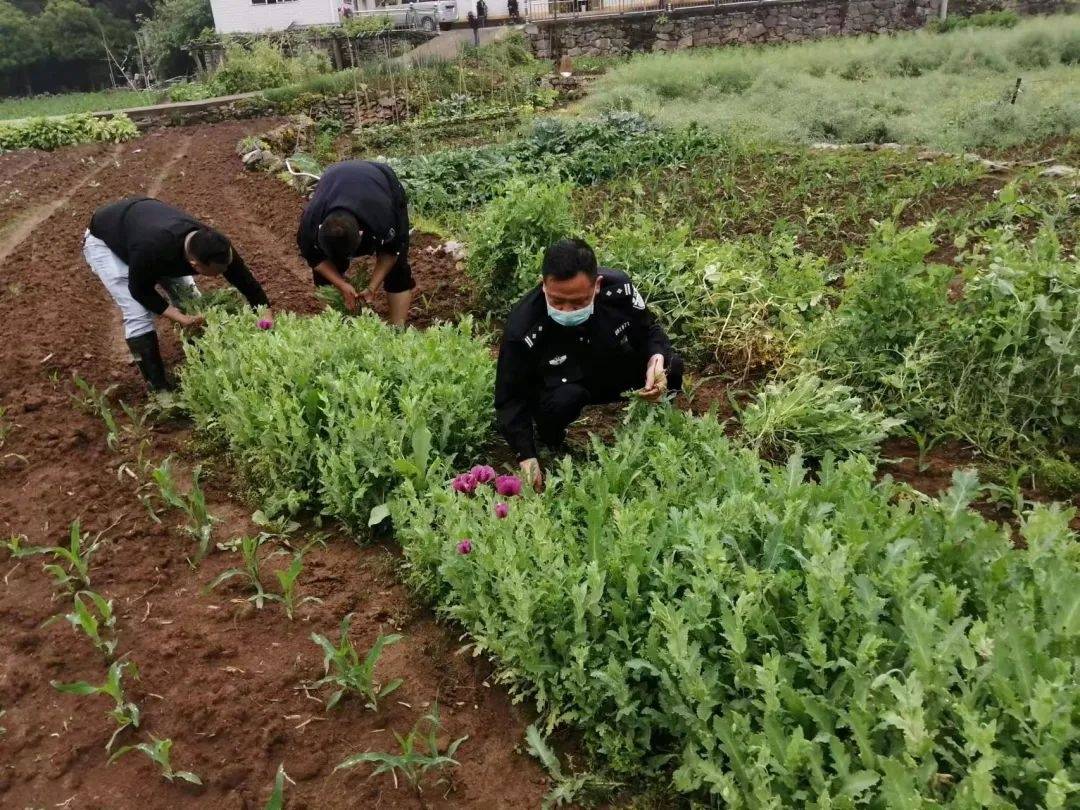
(557, 361)
(638, 301)
(528, 341)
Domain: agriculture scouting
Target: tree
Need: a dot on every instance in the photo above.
(22, 48)
(74, 32)
(174, 24)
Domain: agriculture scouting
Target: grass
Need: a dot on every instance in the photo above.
(68, 103)
(951, 91)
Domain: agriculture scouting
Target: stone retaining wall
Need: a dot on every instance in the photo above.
(743, 23)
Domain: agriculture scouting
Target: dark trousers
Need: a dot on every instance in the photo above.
(559, 406)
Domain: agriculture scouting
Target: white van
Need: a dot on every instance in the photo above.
(427, 15)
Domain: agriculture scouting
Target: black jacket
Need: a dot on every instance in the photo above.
(369, 191)
(607, 354)
(148, 235)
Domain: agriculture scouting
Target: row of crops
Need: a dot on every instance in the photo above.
(756, 616)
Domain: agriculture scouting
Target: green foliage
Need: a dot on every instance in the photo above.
(287, 579)
(99, 626)
(191, 91)
(173, 25)
(22, 46)
(71, 569)
(72, 31)
(414, 761)
(249, 550)
(996, 367)
(508, 237)
(277, 795)
(51, 133)
(335, 412)
(344, 669)
(579, 150)
(986, 19)
(567, 788)
(69, 103)
(160, 753)
(767, 637)
(200, 525)
(953, 92)
(97, 403)
(1059, 477)
(816, 416)
(264, 65)
(124, 713)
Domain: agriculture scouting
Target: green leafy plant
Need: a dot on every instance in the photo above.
(51, 133)
(345, 671)
(744, 628)
(567, 788)
(193, 504)
(249, 550)
(819, 416)
(277, 794)
(160, 753)
(124, 713)
(419, 753)
(97, 403)
(99, 626)
(287, 578)
(71, 571)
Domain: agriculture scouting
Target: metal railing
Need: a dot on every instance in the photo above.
(558, 9)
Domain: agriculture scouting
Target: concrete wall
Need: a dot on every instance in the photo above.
(244, 16)
(739, 23)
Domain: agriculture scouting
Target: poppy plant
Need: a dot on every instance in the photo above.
(502, 510)
(465, 546)
(508, 485)
(464, 483)
(483, 474)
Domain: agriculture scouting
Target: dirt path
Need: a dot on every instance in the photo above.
(222, 680)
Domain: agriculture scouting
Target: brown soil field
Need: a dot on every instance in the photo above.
(222, 680)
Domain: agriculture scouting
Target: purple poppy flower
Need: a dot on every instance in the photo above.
(508, 485)
(465, 546)
(464, 483)
(502, 510)
(266, 323)
(483, 474)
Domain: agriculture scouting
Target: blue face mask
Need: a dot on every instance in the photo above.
(575, 317)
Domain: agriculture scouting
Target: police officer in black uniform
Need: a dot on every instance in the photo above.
(582, 337)
(359, 208)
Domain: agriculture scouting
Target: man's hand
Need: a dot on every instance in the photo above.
(655, 379)
(367, 295)
(191, 321)
(531, 472)
(348, 292)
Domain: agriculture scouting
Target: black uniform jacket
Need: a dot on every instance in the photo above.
(607, 354)
(148, 235)
(369, 191)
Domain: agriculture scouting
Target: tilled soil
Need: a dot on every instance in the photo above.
(223, 680)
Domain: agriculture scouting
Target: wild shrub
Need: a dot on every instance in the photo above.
(508, 237)
(995, 367)
(754, 631)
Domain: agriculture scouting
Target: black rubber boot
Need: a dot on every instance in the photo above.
(148, 358)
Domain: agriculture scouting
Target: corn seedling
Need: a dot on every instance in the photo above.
(71, 571)
(6, 426)
(249, 549)
(344, 669)
(1010, 492)
(99, 627)
(567, 788)
(277, 795)
(159, 751)
(924, 443)
(97, 403)
(124, 713)
(200, 522)
(413, 762)
(17, 550)
(287, 579)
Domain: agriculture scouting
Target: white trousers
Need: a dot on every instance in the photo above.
(112, 271)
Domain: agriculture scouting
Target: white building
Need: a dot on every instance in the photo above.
(260, 16)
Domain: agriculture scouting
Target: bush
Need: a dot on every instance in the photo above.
(996, 368)
(51, 133)
(264, 65)
(333, 413)
(753, 631)
(190, 91)
(814, 416)
(508, 237)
